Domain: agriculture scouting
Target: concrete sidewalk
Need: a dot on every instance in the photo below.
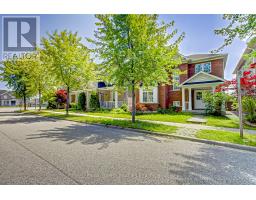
(180, 125)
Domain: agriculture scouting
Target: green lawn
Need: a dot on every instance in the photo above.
(219, 121)
(174, 117)
(222, 121)
(160, 128)
(226, 136)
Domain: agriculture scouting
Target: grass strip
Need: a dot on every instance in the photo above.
(227, 136)
(159, 128)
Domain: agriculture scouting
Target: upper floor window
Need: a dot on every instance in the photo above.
(176, 82)
(205, 67)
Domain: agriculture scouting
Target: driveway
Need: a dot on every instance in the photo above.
(38, 150)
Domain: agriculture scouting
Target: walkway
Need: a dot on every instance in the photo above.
(180, 125)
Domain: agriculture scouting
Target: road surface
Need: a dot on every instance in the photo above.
(38, 150)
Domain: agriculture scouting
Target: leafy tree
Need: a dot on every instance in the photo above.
(240, 26)
(135, 50)
(16, 73)
(61, 96)
(81, 101)
(41, 77)
(70, 60)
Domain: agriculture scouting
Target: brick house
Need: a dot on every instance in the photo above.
(200, 72)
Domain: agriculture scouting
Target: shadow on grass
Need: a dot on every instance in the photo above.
(213, 165)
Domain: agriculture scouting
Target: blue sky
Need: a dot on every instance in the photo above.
(199, 33)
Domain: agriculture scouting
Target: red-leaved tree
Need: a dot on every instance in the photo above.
(61, 96)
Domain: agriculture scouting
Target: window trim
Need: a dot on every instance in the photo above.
(178, 82)
(176, 102)
(155, 95)
(203, 67)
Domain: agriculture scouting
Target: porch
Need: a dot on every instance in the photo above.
(110, 98)
(193, 88)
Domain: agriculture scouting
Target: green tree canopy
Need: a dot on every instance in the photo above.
(240, 26)
(70, 60)
(16, 73)
(135, 50)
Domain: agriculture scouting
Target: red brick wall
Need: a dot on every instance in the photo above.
(165, 94)
(217, 68)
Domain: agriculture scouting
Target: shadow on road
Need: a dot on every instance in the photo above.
(207, 167)
(84, 133)
(22, 118)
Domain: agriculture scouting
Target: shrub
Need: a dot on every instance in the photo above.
(249, 106)
(213, 102)
(174, 109)
(117, 110)
(73, 106)
(81, 101)
(94, 102)
(125, 107)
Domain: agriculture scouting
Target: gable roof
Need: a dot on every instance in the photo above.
(10, 94)
(194, 58)
(202, 77)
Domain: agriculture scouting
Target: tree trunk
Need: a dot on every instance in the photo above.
(240, 109)
(67, 102)
(25, 102)
(39, 99)
(133, 103)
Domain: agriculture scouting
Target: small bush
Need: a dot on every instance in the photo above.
(249, 106)
(213, 102)
(94, 102)
(117, 110)
(73, 106)
(174, 109)
(81, 101)
(125, 107)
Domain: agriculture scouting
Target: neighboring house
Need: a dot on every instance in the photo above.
(243, 63)
(108, 96)
(8, 99)
(200, 72)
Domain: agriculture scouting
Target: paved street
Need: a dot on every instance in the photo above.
(37, 150)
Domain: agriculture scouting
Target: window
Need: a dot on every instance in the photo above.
(205, 67)
(176, 82)
(73, 98)
(149, 95)
(199, 96)
(176, 103)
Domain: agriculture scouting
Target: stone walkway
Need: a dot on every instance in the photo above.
(186, 129)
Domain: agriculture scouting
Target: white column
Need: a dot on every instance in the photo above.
(189, 99)
(183, 100)
(116, 99)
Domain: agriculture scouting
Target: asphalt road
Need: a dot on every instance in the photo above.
(37, 150)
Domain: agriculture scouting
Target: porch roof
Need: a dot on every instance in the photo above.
(202, 78)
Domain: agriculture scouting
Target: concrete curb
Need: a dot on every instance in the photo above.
(211, 142)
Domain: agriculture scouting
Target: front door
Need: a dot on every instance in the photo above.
(198, 97)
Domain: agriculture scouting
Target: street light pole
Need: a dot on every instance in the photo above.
(240, 110)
